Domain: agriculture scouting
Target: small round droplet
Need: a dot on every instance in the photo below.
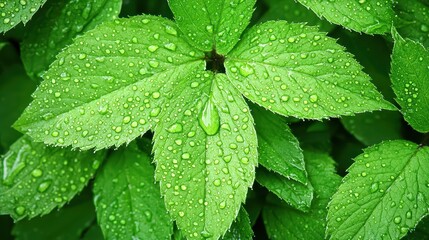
(37, 173)
(20, 210)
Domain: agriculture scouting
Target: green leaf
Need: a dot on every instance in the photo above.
(36, 179)
(254, 202)
(292, 11)
(372, 17)
(373, 53)
(12, 12)
(212, 24)
(293, 70)
(294, 193)
(107, 88)
(383, 195)
(421, 231)
(279, 150)
(409, 76)
(53, 28)
(127, 201)
(15, 91)
(205, 176)
(372, 128)
(240, 228)
(66, 224)
(93, 233)
(412, 20)
(283, 222)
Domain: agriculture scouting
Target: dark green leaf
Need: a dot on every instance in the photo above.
(12, 12)
(55, 25)
(107, 88)
(36, 179)
(294, 70)
(212, 24)
(206, 153)
(292, 11)
(372, 128)
(384, 195)
(372, 17)
(127, 201)
(93, 233)
(410, 74)
(294, 193)
(15, 91)
(283, 222)
(65, 224)
(412, 20)
(279, 150)
(240, 228)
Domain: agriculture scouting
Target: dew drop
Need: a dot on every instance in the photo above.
(20, 210)
(206, 234)
(397, 220)
(44, 186)
(216, 182)
(175, 128)
(148, 215)
(374, 187)
(37, 173)
(246, 70)
(152, 48)
(209, 118)
(155, 112)
(313, 98)
(170, 30)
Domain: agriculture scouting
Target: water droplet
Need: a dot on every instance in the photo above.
(148, 215)
(424, 28)
(244, 160)
(87, 10)
(206, 234)
(82, 56)
(44, 186)
(209, 28)
(313, 98)
(246, 70)
(170, 30)
(153, 63)
(209, 118)
(170, 46)
(126, 119)
(397, 220)
(156, 95)
(37, 173)
(20, 210)
(222, 205)
(175, 128)
(152, 48)
(216, 182)
(374, 187)
(186, 156)
(155, 112)
(409, 214)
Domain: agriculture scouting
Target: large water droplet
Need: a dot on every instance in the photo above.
(20, 210)
(246, 70)
(209, 118)
(175, 128)
(44, 186)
